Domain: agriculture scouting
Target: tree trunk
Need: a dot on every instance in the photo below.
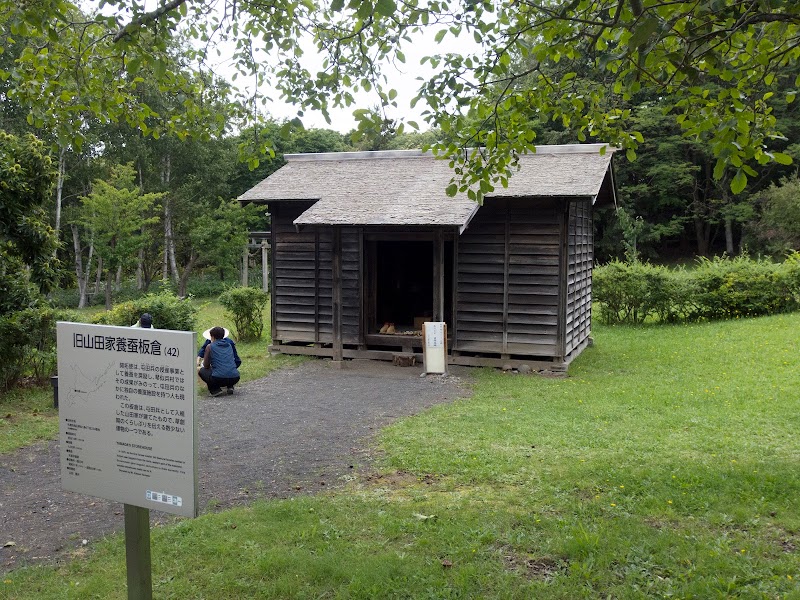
(99, 274)
(109, 282)
(165, 262)
(184, 280)
(729, 247)
(140, 271)
(118, 283)
(79, 274)
(169, 240)
(176, 274)
(59, 192)
(702, 235)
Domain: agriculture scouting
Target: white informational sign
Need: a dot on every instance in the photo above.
(435, 347)
(126, 411)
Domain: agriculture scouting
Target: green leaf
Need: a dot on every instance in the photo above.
(440, 35)
(385, 8)
(451, 189)
(781, 158)
(739, 181)
(160, 68)
(643, 31)
(337, 5)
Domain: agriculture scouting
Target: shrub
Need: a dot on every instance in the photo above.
(720, 288)
(631, 292)
(168, 312)
(207, 286)
(245, 307)
(725, 288)
(28, 344)
(788, 279)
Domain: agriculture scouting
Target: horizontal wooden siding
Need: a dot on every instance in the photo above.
(302, 294)
(507, 286)
(579, 274)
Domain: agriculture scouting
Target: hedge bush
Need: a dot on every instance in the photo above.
(28, 344)
(245, 307)
(719, 288)
(168, 312)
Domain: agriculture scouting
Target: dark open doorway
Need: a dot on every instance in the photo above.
(403, 282)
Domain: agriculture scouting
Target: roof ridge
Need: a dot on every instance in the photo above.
(417, 153)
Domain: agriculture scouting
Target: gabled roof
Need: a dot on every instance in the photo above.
(407, 187)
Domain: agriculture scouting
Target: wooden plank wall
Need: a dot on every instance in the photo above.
(352, 249)
(302, 294)
(297, 292)
(507, 288)
(579, 274)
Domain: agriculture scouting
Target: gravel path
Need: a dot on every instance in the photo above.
(295, 431)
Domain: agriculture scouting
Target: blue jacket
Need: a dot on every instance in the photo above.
(223, 363)
(202, 352)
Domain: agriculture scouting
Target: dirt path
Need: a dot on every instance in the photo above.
(295, 431)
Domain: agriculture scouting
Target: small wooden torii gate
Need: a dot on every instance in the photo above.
(257, 239)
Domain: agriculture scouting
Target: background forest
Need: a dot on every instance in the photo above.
(128, 204)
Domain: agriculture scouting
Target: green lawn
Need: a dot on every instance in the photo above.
(666, 465)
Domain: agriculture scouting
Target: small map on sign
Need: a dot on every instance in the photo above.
(86, 385)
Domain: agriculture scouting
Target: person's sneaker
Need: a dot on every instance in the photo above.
(230, 390)
(218, 392)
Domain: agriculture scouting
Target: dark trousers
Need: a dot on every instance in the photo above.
(216, 383)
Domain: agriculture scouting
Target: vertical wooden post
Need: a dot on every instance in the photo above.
(273, 307)
(362, 293)
(317, 275)
(137, 553)
(454, 328)
(338, 350)
(265, 265)
(506, 274)
(245, 261)
(563, 279)
(438, 276)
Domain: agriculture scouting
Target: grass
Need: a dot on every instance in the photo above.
(665, 465)
(27, 414)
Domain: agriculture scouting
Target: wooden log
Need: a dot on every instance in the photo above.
(404, 360)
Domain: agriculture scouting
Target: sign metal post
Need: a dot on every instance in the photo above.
(137, 553)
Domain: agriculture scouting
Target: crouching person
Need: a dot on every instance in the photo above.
(218, 367)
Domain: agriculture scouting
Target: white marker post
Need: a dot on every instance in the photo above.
(434, 342)
(127, 427)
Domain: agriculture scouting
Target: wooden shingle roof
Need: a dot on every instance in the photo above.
(407, 187)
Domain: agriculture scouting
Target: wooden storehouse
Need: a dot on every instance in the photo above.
(366, 239)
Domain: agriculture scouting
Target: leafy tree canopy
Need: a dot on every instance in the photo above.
(27, 242)
(526, 68)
